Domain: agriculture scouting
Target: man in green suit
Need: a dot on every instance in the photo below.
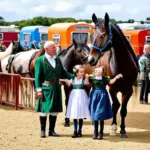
(48, 71)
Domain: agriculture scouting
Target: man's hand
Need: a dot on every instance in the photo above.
(40, 94)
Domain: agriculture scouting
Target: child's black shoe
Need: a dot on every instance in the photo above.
(100, 137)
(79, 133)
(75, 134)
(95, 136)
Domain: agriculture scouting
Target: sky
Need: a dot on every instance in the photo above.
(15, 10)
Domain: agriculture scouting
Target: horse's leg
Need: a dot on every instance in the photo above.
(115, 107)
(123, 112)
(67, 92)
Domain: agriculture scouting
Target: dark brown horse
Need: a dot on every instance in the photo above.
(111, 49)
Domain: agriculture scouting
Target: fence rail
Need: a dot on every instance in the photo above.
(17, 91)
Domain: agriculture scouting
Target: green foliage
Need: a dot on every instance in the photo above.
(1, 18)
(142, 22)
(148, 18)
(131, 21)
(46, 21)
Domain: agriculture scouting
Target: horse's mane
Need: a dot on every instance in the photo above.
(128, 45)
(63, 52)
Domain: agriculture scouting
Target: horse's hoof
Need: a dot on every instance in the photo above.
(113, 134)
(123, 136)
(66, 125)
(113, 130)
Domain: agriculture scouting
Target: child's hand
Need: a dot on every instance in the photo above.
(86, 76)
(67, 81)
(119, 76)
(62, 80)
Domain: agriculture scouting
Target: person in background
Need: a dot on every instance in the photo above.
(41, 44)
(33, 45)
(26, 46)
(3, 47)
(59, 49)
(144, 63)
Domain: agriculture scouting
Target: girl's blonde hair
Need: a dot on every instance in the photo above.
(145, 47)
(101, 68)
(76, 68)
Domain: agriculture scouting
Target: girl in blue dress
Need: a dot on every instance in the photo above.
(99, 102)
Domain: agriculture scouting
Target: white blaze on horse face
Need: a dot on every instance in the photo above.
(7, 52)
(90, 58)
(93, 59)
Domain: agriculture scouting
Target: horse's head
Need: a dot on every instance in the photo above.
(101, 39)
(81, 51)
(77, 53)
(17, 47)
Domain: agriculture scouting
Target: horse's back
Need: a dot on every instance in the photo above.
(22, 60)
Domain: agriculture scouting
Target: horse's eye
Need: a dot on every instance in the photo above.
(101, 37)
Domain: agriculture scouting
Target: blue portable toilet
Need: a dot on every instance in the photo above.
(148, 27)
(33, 33)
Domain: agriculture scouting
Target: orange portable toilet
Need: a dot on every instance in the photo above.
(63, 33)
(137, 38)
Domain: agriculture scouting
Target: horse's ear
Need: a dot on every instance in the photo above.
(74, 43)
(85, 41)
(106, 21)
(94, 18)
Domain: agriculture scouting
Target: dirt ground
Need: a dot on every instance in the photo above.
(20, 130)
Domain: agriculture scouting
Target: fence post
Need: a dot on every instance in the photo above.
(17, 78)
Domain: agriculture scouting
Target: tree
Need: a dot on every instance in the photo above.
(131, 21)
(113, 21)
(148, 18)
(142, 22)
(1, 18)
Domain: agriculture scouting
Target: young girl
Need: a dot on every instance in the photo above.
(78, 100)
(99, 102)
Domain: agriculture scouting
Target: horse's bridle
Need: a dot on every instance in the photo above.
(109, 42)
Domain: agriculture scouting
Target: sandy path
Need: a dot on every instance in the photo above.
(19, 130)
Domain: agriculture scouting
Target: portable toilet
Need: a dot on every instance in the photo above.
(33, 33)
(8, 34)
(64, 33)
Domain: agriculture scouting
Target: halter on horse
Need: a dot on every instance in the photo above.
(111, 49)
